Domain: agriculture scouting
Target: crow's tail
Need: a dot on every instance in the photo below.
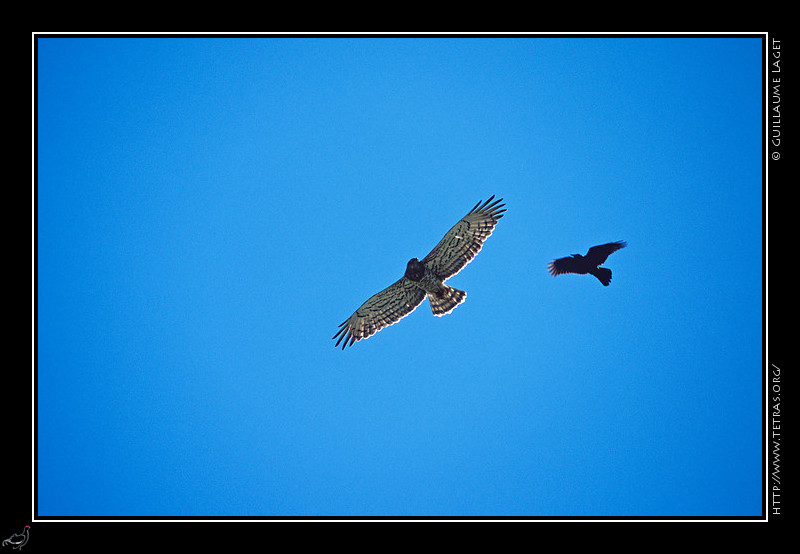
(603, 274)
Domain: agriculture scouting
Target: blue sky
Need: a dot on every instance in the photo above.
(209, 211)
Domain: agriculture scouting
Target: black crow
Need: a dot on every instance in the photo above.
(588, 263)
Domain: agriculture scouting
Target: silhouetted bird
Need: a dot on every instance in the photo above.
(588, 263)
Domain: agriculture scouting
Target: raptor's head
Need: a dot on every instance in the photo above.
(415, 269)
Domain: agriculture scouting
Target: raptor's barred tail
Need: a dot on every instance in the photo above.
(602, 273)
(449, 299)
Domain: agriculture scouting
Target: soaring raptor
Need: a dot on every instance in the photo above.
(582, 265)
(426, 277)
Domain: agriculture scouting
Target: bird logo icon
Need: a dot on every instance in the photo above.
(18, 540)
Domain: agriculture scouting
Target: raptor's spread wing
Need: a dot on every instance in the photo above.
(383, 309)
(465, 239)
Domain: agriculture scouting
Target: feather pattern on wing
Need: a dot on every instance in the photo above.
(383, 309)
(463, 242)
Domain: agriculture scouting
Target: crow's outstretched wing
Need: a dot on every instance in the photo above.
(569, 264)
(465, 239)
(599, 254)
(383, 309)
